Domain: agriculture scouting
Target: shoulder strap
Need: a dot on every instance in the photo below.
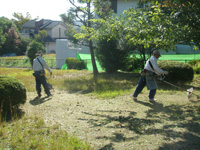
(40, 63)
(151, 65)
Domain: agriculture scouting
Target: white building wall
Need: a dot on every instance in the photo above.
(55, 31)
(63, 52)
(50, 47)
(125, 5)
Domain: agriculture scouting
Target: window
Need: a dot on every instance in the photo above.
(114, 5)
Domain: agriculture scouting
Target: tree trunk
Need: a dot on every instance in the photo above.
(95, 70)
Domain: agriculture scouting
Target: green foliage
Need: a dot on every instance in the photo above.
(74, 63)
(178, 71)
(110, 56)
(13, 93)
(40, 36)
(2, 37)
(33, 47)
(194, 62)
(12, 36)
(187, 15)
(19, 19)
(196, 65)
(133, 64)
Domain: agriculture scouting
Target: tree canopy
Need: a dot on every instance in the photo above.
(79, 19)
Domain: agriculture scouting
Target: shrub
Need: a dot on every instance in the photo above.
(193, 62)
(13, 93)
(33, 47)
(196, 70)
(178, 71)
(74, 63)
(133, 64)
(110, 55)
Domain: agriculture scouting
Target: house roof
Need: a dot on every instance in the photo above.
(47, 24)
(49, 39)
(50, 24)
(29, 24)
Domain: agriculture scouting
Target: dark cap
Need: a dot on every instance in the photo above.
(156, 53)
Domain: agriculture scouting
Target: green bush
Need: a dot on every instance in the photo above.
(110, 55)
(178, 71)
(13, 93)
(133, 64)
(193, 62)
(74, 63)
(33, 47)
(196, 70)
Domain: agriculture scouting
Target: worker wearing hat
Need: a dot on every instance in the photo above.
(151, 68)
(39, 64)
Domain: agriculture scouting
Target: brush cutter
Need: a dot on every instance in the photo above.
(190, 94)
(50, 86)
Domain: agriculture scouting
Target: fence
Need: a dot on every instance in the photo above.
(23, 63)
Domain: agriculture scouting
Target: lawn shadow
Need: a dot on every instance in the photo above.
(38, 101)
(160, 120)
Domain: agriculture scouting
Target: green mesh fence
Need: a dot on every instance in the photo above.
(87, 59)
(174, 57)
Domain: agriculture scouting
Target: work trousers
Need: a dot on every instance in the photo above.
(41, 80)
(141, 85)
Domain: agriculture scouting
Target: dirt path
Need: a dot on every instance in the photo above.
(106, 124)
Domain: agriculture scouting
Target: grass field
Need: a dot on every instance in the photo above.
(101, 112)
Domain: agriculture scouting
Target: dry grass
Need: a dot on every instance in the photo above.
(117, 122)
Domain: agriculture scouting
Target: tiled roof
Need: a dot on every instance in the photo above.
(29, 24)
(47, 24)
(50, 24)
(49, 39)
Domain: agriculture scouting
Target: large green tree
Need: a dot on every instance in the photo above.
(187, 14)
(79, 19)
(2, 37)
(19, 19)
(12, 36)
(144, 29)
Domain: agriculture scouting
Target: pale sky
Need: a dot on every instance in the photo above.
(44, 9)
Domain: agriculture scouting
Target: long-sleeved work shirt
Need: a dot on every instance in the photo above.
(156, 68)
(38, 67)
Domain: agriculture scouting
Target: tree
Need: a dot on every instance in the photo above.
(40, 36)
(79, 19)
(19, 19)
(33, 47)
(187, 14)
(12, 36)
(2, 37)
(110, 55)
(145, 30)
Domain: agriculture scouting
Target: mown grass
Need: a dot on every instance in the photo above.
(165, 121)
(33, 133)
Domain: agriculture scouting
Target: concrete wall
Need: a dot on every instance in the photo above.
(181, 49)
(63, 52)
(125, 5)
(50, 47)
